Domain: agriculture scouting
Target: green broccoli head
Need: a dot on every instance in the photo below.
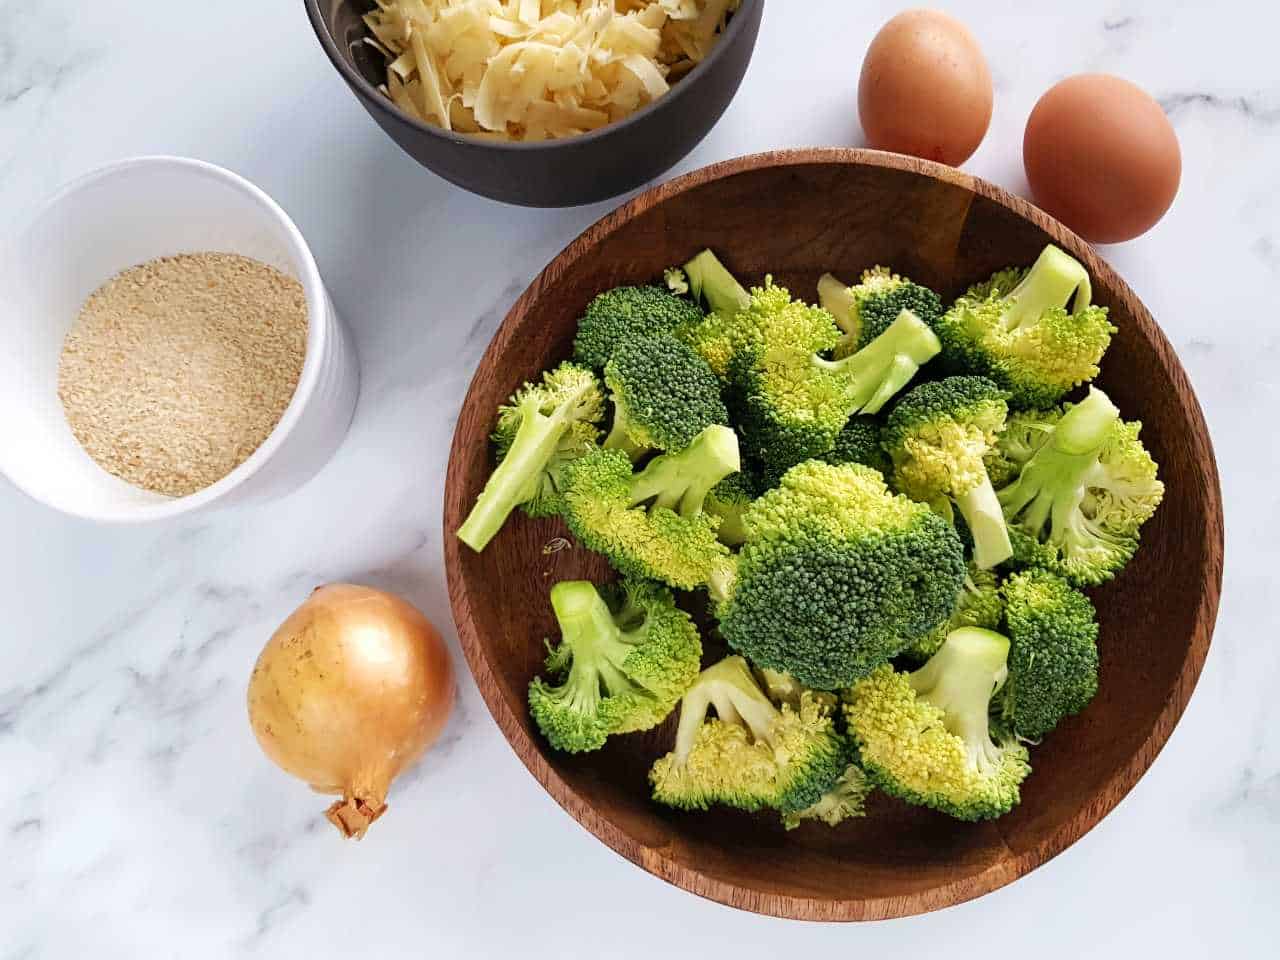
(1053, 655)
(866, 310)
(542, 429)
(752, 754)
(664, 395)
(978, 604)
(859, 442)
(937, 436)
(925, 737)
(625, 313)
(626, 656)
(714, 339)
(791, 402)
(1016, 330)
(1082, 489)
(846, 800)
(837, 575)
(653, 524)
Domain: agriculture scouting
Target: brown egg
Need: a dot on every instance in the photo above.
(1102, 157)
(925, 88)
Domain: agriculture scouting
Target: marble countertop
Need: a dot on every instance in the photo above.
(137, 816)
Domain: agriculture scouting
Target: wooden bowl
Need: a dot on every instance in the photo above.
(796, 215)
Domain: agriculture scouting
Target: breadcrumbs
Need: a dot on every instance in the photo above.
(176, 370)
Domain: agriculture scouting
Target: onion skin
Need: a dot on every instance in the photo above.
(348, 693)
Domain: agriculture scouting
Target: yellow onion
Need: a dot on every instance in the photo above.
(348, 693)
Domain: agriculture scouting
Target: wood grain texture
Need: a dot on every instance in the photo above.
(797, 214)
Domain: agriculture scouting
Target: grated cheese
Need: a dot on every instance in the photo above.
(538, 69)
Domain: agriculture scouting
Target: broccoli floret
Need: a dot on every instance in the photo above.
(1077, 502)
(1015, 329)
(845, 800)
(652, 524)
(713, 339)
(663, 396)
(978, 604)
(859, 442)
(711, 283)
(937, 436)
(729, 500)
(865, 311)
(1053, 653)
(1024, 433)
(544, 427)
(837, 575)
(624, 659)
(625, 313)
(752, 754)
(1121, 492)
(925, 737)
(792, 403)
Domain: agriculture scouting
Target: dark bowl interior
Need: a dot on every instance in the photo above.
(556, 173)
(797, 215)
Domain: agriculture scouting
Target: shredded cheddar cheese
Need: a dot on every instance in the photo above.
(538, 69)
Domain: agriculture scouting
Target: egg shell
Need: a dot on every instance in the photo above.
(925, 88)
(1102, 157)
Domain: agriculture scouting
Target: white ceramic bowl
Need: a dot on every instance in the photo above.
(115, 218)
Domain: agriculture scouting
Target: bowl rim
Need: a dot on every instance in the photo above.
(1006, 870)
(308, 379)
(371, 95)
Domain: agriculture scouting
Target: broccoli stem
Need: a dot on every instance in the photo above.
(835, 297)
(885, 365)
(960, 680)
(732, 690)
(693, 711)
(1052, 484)
(681, 481)
(1050, 283)
(711, 283)
(981, 510)
(535, 443)
(588, 630)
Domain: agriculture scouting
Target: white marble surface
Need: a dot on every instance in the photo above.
(137, 817)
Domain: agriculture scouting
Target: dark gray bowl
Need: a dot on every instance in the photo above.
(554, 173)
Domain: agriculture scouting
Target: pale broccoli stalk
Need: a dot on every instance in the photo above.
(960, 680)
(835, 297)
(711, 283)
(1051, 282)
(681, 482)
(544, 412)
(885, 365)
(625, 656)
(752, 754)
